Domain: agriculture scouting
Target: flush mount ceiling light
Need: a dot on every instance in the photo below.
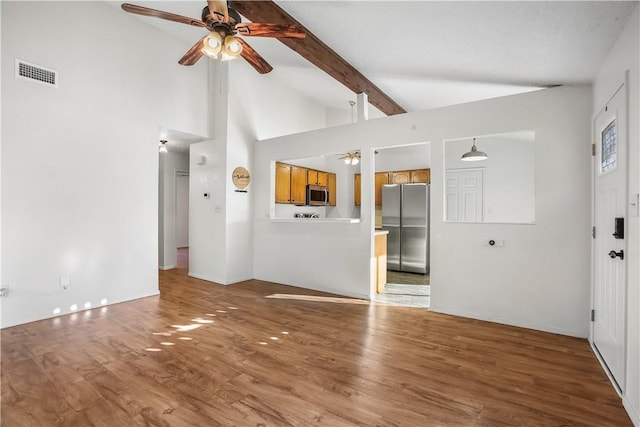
(474, 155)
(162, 148)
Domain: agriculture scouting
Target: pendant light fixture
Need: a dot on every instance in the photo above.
(162, 148)
(474, 155)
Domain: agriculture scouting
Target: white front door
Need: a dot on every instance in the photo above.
(464, 195)
(610, 192)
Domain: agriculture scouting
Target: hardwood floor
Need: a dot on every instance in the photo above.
(261, 354)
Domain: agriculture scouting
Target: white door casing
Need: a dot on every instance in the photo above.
(464, 195)
(182, 209)
(609, 265)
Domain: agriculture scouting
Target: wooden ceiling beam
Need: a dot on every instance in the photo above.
(315, 51)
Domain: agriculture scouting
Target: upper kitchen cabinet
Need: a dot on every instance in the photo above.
(298, 185)
(283, 183)
(357, 183)
(381, 178)
(323, 178)
(421, 176)
(414, 176)
(400, 177)
(395, 177)
(312, 177)
(331, 185)
(316, 177)
(292, 180)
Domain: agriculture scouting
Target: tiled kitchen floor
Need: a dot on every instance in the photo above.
(406, 289)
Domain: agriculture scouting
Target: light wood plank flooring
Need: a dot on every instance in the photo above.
(261, 354)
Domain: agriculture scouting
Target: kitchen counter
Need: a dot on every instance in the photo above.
(377, 232)
(317, 220)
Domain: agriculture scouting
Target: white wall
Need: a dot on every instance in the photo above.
(80, 162)
(245, 106)
(169, 164)
(625, 56)
(403, 158)
(534, 288)
(508, 175)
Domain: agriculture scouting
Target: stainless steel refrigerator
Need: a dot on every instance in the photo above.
(405, 214)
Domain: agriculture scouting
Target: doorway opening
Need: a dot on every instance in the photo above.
(402, 213)
(182, 218)
(173, 198)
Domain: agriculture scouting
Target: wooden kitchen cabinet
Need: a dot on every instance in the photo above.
(298, 185)
(331, 185)
(291, 183)
(315, 177)
(380, 253)
(323, 178)
(395, 177)
(381, 178)
(400, 177)
(283, 183)
(312, 177)
(421, 176)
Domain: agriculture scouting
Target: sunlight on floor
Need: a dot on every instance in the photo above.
(319, 299)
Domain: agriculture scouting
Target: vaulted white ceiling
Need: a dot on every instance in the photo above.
(426, 54)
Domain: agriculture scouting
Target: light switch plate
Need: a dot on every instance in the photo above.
(65, 281)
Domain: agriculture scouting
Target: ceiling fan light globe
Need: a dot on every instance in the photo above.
(212, 45)
(355, 161)
(232, 46)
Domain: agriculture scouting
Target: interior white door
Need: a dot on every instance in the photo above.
(610, 175)
(464, 195)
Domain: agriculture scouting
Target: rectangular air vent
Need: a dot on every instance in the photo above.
(36, 73)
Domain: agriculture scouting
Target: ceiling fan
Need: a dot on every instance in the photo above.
(223, 24)
(353, 157)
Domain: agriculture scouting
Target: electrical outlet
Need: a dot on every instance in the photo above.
(4, 292)
(64, 282)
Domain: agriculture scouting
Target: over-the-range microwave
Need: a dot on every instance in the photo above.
(317, 195)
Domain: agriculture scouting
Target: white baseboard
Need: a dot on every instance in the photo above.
(239, 279)
(166, 267)
(537, 327)
(635, 417)
(207, 278)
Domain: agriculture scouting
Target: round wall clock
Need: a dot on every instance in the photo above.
(241, 179)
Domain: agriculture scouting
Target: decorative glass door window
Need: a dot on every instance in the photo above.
(609, 152)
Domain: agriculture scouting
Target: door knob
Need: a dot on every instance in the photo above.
(614, 254)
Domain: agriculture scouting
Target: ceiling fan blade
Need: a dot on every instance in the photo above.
(141, 10)
(193, 54)
(218, 7)
(254, 58)
(271, 30)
